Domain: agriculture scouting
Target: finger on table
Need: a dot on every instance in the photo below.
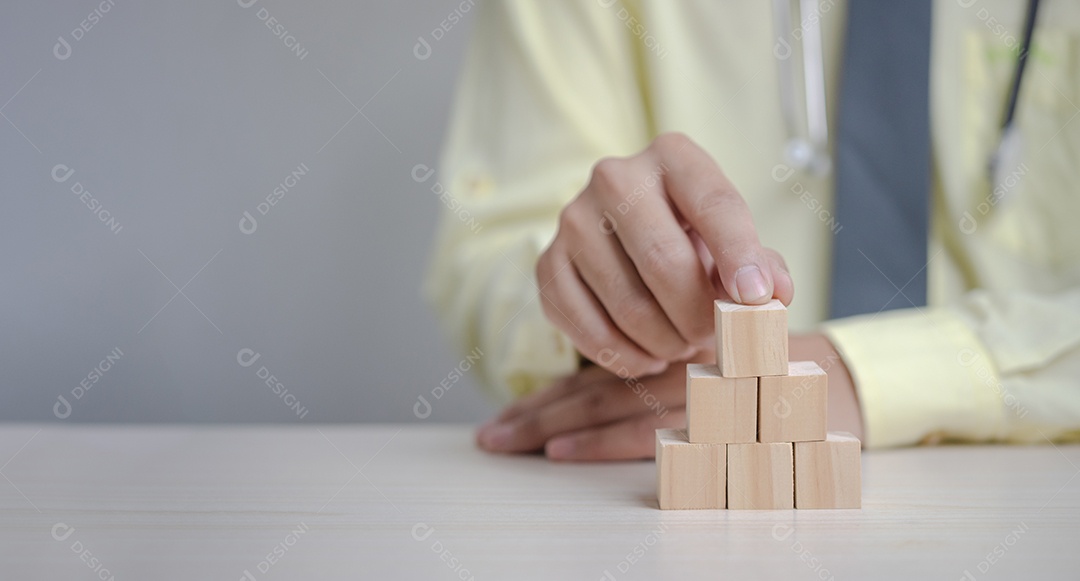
(629, 439)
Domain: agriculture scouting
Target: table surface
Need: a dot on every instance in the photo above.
(420, 502)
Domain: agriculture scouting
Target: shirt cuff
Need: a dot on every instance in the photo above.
(921, 376)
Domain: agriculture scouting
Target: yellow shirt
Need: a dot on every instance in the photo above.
(549, 87)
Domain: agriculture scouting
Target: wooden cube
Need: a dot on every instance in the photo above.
(720, 409)
(829, 474)
(751, 340)
(794, 407)
(760, 476)
(689, 475)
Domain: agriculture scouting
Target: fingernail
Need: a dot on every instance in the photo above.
(751, 284)
(560, 448)
(496, 437)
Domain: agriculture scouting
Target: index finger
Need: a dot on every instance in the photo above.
(713, 207)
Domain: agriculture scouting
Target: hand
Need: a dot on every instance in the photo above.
(642, 252)
(591, 415)
(597, 415)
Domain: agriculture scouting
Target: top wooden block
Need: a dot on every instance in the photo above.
(751, 340)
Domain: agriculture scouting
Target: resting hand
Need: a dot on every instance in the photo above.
(597, 415)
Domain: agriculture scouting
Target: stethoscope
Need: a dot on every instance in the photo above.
(1007, 155)
(808, 150)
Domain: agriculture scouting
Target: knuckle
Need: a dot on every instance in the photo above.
(607, 166)
(636, 308)
(608, 351)
(719, 201)
(671, 141)
(606, 176)
(576, 220)
(737, 253)
(666, 257)
(592, 344)
(568, 218)
(699, 330)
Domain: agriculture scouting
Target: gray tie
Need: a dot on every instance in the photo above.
(882, 159)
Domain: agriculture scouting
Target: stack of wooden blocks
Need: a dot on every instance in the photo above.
(756, 426)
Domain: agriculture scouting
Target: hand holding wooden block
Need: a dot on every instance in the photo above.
(720, 409)
(749, 395)
(751, 340)
(829, 474)
(793, 408)
(689, 475)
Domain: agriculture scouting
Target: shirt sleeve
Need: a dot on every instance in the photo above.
(547, 89)
(990, 368)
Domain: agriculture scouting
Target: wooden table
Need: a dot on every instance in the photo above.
(420, 502)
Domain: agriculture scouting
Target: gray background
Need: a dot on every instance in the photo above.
(177, 118)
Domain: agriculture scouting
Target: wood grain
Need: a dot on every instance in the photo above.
(689, 476)
(794, 407)
(720, 409)
(829, 474)
(751, 340)
(760, 476)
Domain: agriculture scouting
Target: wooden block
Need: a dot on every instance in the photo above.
(760, 476)
(689, 475)
(720, 409)
(794, 407)
(829, 474)
(751, 340)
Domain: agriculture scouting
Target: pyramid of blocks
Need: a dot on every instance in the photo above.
(755, 434)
